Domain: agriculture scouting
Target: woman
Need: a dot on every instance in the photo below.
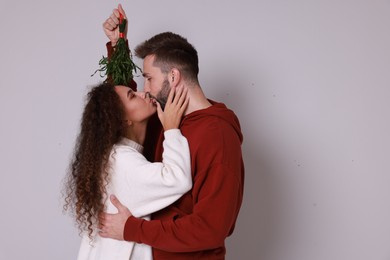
(108, 160)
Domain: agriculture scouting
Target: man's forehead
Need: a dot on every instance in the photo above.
(151, 70)
(149, 58)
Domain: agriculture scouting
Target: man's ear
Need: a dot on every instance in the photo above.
(174, 77)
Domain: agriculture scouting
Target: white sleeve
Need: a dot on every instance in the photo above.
(154, 186)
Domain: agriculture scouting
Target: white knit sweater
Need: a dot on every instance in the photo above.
(143, 187)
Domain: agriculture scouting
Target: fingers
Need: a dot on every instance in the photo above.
(103, 231)
(117, 203)
(176, 96)
(120, 8)
(185, 104)
(160, 112)
(171, 94)
(109, 24)
(102, 234)
(104, 219)
(182, 99)
(113, 21)
(115, 16)
(180, 95)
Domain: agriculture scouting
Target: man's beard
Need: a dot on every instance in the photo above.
(162, 96)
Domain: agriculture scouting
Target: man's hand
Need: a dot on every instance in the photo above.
(110, 26)
(112, 225)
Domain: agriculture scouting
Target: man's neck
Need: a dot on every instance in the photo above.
(197, 100)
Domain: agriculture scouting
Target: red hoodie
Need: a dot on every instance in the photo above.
(196, 226)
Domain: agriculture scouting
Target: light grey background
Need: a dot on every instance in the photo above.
(309, 81)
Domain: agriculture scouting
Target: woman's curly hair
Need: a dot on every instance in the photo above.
(102, 126)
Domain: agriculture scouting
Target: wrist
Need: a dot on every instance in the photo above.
(132, 228)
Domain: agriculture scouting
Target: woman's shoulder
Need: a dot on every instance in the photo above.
(123, 153)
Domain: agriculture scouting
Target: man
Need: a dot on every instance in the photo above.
(196, 226)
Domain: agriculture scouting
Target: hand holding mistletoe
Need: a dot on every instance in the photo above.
(118, 66)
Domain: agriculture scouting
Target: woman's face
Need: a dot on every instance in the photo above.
(137, 106)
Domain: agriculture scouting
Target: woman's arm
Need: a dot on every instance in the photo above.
(156, 185)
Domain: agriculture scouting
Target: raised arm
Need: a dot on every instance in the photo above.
(157, 185)
(216, 194)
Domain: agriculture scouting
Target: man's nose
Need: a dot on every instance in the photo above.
(146, 88)
(141, 94)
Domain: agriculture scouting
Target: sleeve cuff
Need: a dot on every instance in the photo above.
(133, 229)
(110, 49)
(172, 133)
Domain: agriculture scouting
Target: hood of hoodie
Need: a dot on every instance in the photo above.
(218, 110)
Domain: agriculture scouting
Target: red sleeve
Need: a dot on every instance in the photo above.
(153, 132)
(207, 227)
(217, 192)
(110, 49)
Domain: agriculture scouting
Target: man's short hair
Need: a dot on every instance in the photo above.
(171, 51)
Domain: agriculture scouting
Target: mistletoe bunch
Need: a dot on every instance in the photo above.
(119, 68)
